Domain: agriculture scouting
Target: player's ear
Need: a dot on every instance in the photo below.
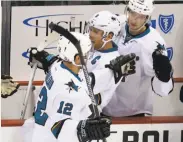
(77, 60)
(110, 35)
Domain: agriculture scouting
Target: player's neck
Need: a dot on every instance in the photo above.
(108, 45)
(72, 67)
(134, 33)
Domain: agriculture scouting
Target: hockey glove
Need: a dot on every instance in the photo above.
(94, 129)
(161, 65)
(8, 87)
(123, 65)
(43, 58)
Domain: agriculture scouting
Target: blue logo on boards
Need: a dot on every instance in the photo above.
(166, 22)
(170, 52)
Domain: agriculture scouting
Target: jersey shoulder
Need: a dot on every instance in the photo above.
(150, 41)
(155, 35)
(62, 77)
(108, 57)
(60, 74)
(109, 54)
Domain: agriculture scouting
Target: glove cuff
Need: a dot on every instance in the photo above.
(81, 133)
(51, 58)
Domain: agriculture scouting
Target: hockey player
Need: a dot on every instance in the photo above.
(63, 105)
(153, 71)
(104, 27)
(63, 108)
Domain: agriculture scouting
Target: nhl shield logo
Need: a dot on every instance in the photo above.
(166, 22)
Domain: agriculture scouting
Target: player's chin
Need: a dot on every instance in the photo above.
(96, 46)
(134, 29)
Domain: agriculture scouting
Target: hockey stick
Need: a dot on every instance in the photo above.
(43, 44)
(28, 92)
(75, 42)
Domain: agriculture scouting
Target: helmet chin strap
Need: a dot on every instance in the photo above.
(104, 42)
(76, 64)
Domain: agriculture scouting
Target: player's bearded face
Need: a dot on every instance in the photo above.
(96, 37)
(135, 20)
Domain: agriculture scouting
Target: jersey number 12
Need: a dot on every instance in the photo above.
(41, 116)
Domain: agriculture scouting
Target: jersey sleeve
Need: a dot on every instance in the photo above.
(146, 60)
(162, 88)
(104, 79)
(159, 87)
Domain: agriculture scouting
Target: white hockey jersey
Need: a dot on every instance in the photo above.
(96, 64)
(134, 96)
(63, 96)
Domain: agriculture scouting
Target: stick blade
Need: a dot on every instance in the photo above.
(52, 37)
(63, 32)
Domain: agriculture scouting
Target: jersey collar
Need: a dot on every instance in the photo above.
(139, 35)
(114, 48)
(76, 75)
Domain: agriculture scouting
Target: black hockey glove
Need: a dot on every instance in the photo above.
(161, 65)
(123, 65)
(43, 58)
(94, 129)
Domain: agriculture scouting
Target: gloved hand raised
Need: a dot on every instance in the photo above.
(123, 65)
(43, 58)
(161, 64)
